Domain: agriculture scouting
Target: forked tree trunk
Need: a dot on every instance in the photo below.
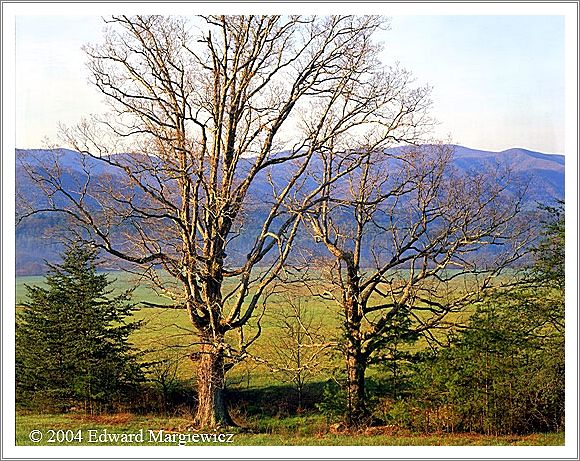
(212, 409)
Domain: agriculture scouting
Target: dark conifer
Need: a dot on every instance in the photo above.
(72, 342)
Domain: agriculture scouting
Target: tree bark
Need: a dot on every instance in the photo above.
(355, 359)
(212, 409)
(355, 370)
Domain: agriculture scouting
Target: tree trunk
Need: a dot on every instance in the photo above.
(355, 359)
(355, 370)
(212, 410)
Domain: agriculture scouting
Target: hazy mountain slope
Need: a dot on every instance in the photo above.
(36, 238)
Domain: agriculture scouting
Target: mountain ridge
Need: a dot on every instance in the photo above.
(35, 243)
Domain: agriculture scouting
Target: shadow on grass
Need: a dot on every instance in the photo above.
(276, 400)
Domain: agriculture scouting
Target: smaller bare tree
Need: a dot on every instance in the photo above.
(411, 241)
(299, 345)
(163, 372)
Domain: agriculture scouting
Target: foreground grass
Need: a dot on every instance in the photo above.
(311, 431)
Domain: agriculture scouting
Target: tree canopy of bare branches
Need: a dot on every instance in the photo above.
(199, 110)
(410, 241)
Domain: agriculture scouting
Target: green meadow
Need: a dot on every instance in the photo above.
(262, 398)
(170, 329)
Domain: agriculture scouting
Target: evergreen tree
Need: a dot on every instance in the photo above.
(547, 278)
(503, 374)
(72, 338)
(505, 371)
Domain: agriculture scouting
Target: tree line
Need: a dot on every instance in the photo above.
(201, 108)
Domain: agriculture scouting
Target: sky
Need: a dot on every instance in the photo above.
(498, 81)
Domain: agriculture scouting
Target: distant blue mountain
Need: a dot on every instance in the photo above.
(36, 240)
(544, 172)
(68, 159)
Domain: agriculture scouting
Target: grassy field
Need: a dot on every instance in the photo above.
(312, 431)
(163, 328)
(269, 423)
(170, 328)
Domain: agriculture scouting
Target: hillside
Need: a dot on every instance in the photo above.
(37, 241)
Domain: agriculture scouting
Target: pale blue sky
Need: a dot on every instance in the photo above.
(498, 81)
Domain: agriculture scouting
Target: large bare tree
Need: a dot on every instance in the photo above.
(411, 240)
(204, 112)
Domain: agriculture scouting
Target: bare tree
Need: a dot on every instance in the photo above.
(407, 235)
(163, 373)
(203, 112)
(299, 344)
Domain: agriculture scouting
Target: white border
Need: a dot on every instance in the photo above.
(299, 6)
(571, 207)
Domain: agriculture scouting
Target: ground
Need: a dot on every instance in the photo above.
(260, 398)
(313, 432)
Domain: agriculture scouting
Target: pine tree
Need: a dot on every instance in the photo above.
(505, 372)
(72, 338)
